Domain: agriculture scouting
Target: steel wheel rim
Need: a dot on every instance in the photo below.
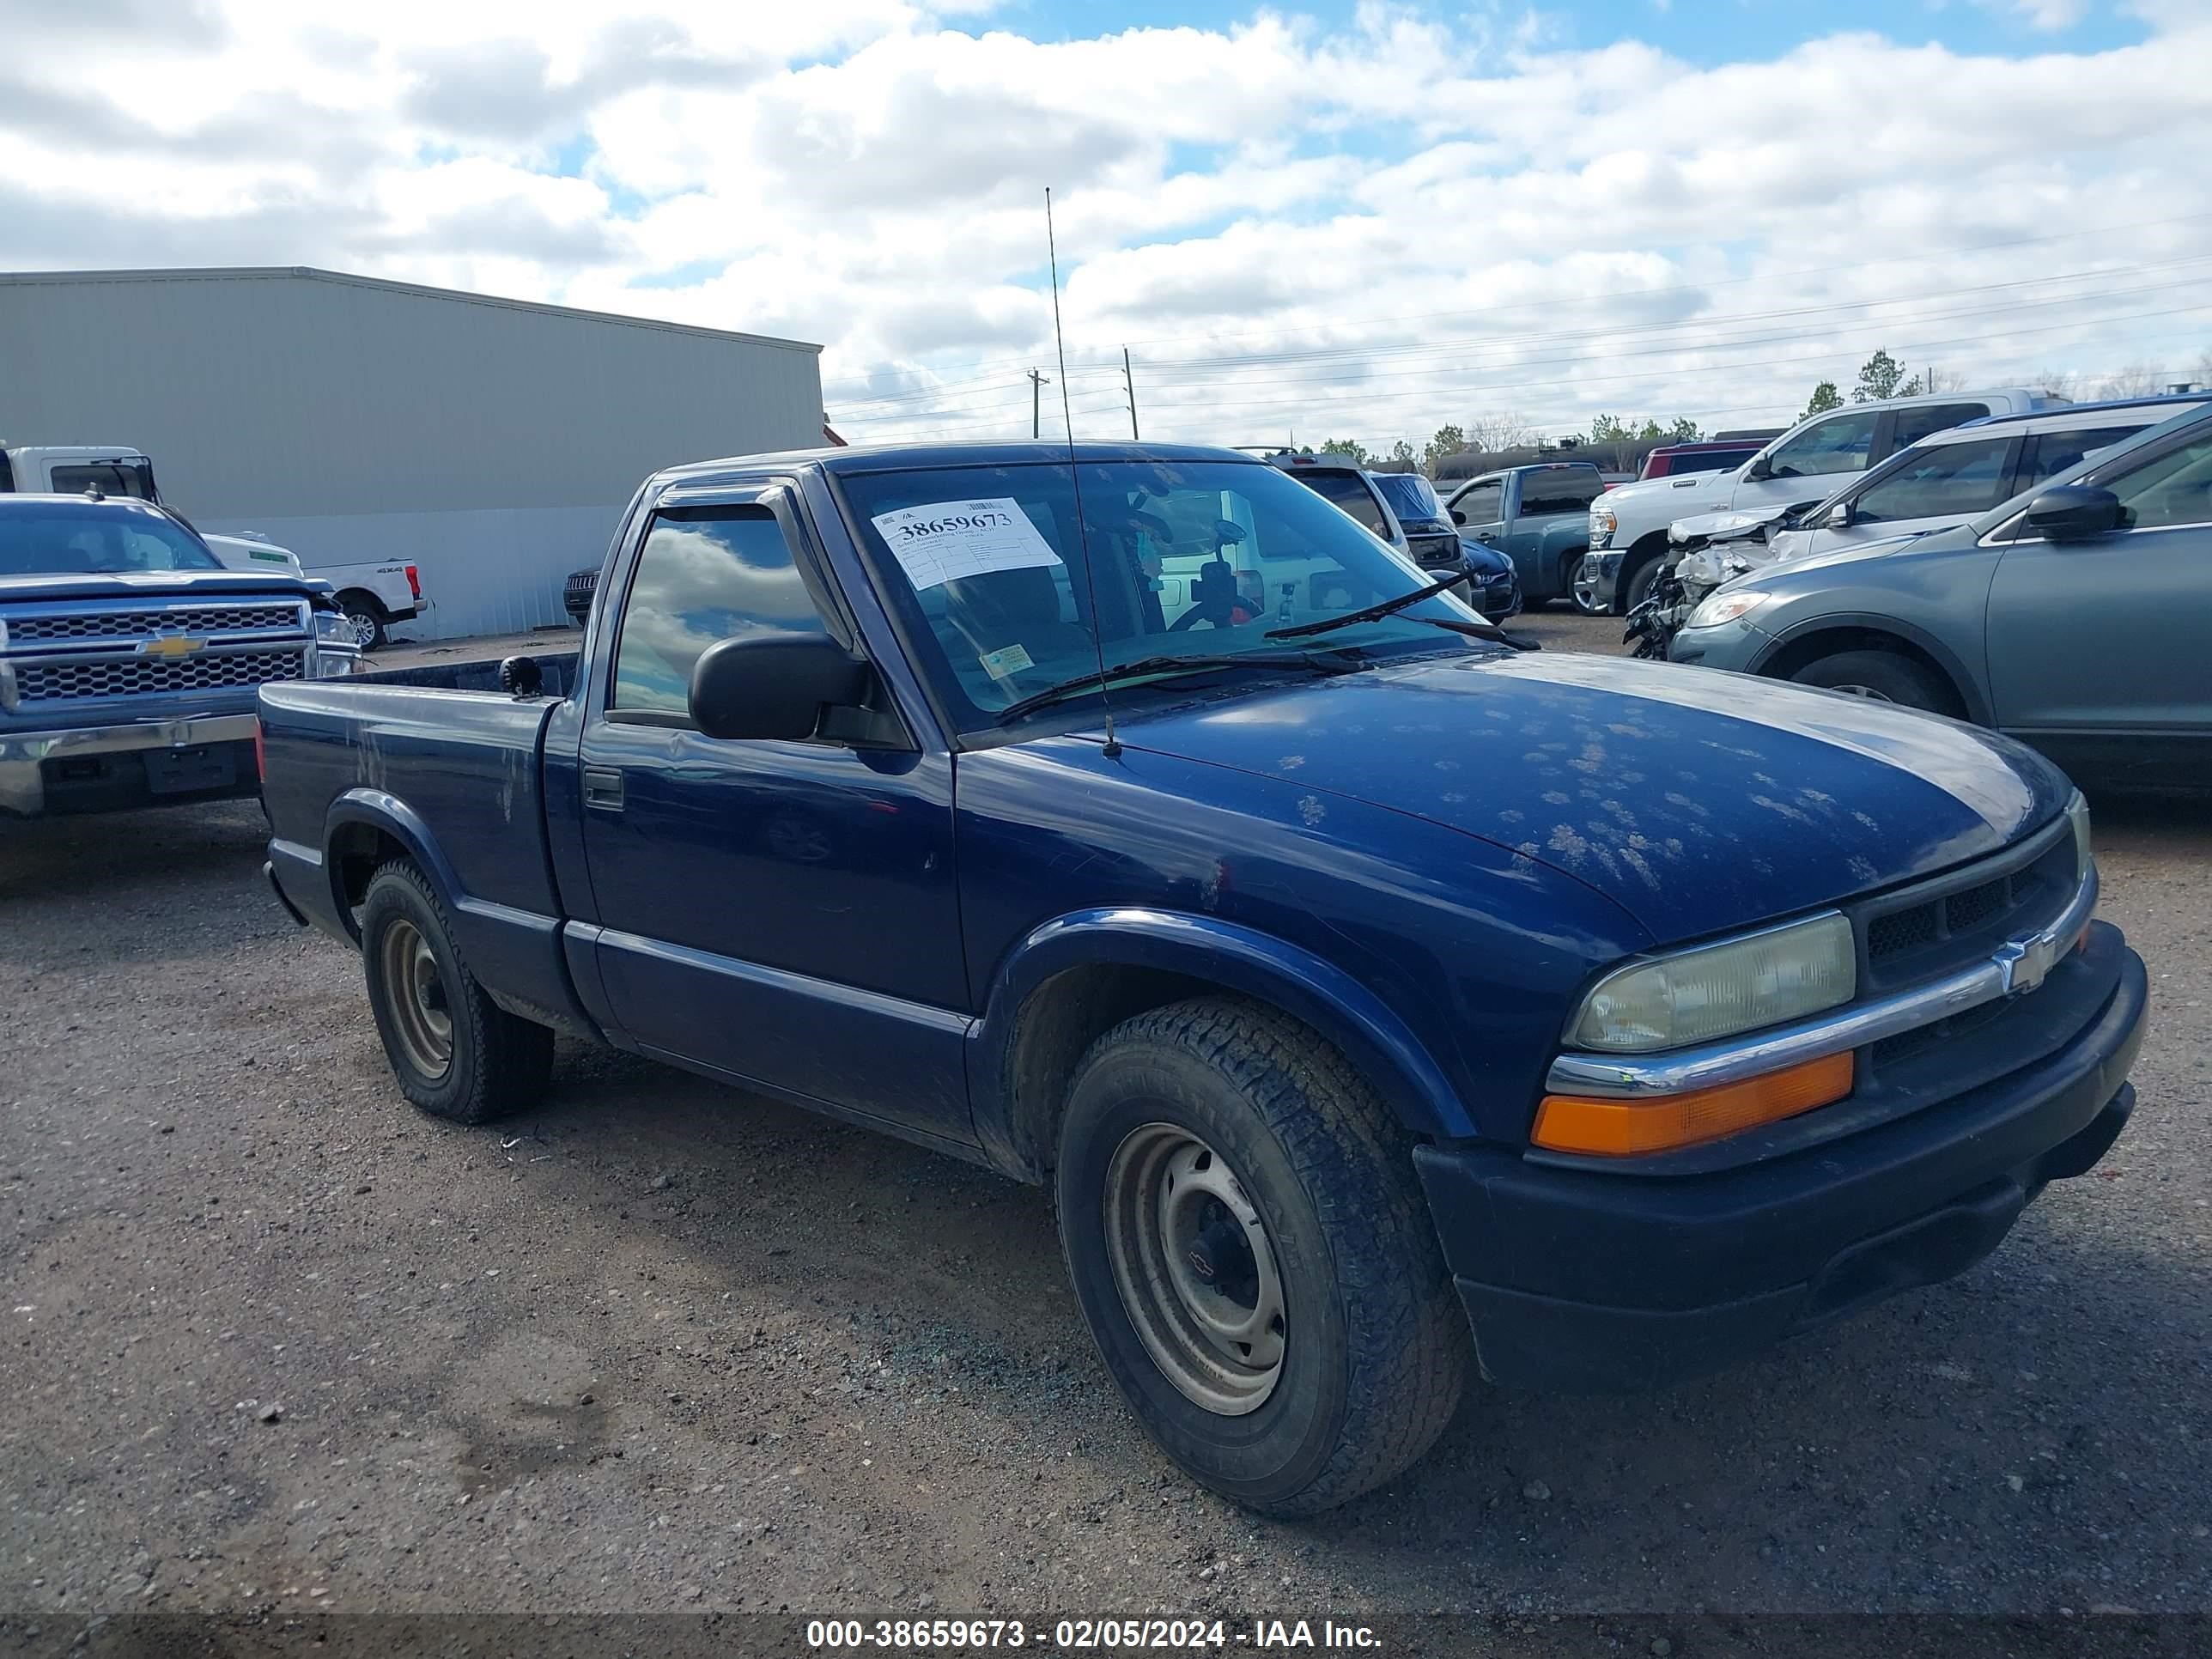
(416, 991)
(1194, 1268)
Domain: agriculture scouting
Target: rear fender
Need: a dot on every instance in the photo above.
(516, 955)
(1208, 953)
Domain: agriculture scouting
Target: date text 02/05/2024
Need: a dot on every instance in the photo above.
(1086, 1634)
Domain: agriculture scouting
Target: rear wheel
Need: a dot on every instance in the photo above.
(366, 616)
(1252, 1252)
(1879, 675)
(457, 1054)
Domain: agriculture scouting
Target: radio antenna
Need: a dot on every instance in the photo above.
(1075, 480)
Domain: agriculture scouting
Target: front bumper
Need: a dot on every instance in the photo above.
(112, 767)
(1579, 1278)
(1734, 645)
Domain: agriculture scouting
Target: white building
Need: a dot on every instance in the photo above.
(493, 443)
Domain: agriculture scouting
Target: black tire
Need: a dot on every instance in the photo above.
(1570, 568)
(1375, 1350)
(500, 1062)
(1884, 676)
(368, 618)
(1637, 587)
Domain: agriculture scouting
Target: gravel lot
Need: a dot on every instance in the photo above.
(275, 1341)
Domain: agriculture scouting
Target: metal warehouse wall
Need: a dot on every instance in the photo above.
(493, 443)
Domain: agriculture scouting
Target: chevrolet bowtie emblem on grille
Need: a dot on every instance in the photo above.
(172, 646)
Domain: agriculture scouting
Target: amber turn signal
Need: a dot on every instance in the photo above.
(1659, 1123)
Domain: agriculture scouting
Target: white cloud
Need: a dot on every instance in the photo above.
(1327, 229)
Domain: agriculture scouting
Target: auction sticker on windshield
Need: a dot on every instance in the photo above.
(940, 542)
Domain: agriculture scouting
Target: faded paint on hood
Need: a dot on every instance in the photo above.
(1700, 802)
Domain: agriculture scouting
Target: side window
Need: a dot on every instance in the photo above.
(1352, 494)
(705, 574)
(112, 480)
(1925, 420)
(2175, 488)
(1480, 503)
(1948, 478)
(1566, 491)
(2050, 453)
(1839, 444)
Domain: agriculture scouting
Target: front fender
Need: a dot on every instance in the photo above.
(1794, 631)
(1236, 958)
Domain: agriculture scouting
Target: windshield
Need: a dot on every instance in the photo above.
(70, 541)
(1410, 494)
(1194, 559)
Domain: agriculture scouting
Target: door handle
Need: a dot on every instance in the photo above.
(603, 788)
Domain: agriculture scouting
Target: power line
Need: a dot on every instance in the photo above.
(1389, 393)
(1591, 298)
(1419, 349)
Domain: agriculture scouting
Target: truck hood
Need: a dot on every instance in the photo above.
(1699, 802)
(159, 584)
(1681, 487)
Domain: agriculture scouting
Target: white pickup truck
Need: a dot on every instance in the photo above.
(1806, 464)
(375, 595)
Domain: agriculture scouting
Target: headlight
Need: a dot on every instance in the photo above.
(1602, 526)
(334, 628)
(2077, 813)
(1717, 990)
(1725, 606)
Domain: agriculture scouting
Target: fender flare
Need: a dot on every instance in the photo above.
(1874, 621)
(381, 810)
(1236, 958)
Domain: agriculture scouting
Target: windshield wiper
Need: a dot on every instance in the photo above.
(1342, 660)
(1372, 613)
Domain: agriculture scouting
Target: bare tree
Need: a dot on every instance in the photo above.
(2202, 374)
(2058, 383)
(1503, 430)
(2136, 380)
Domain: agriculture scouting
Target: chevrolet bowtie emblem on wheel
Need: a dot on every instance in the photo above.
(172, 646)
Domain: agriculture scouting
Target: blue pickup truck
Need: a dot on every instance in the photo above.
(1356, 980)
(129, 656)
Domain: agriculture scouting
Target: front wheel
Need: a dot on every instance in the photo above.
(1253, 1255)
(1636, 588)
(1879, 675)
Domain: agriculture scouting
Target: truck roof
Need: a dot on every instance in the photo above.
(899, 458)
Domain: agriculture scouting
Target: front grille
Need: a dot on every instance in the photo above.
(282, 617)
(1936, 928)
(67, 682)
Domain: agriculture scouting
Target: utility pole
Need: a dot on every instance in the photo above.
(1129, 381)
(1037, 383)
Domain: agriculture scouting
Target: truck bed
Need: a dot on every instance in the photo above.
(472, 816)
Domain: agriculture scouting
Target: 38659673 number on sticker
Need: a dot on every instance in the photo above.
(939, 542)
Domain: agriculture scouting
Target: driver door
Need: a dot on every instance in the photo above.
(779, 912)
(2097, 648)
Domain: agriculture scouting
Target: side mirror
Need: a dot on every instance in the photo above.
(1458, 517)
(1757, 469)
(1840, 516)
(2074, 513)
(774, 686)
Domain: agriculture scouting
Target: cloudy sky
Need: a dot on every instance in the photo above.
(1332, 218)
